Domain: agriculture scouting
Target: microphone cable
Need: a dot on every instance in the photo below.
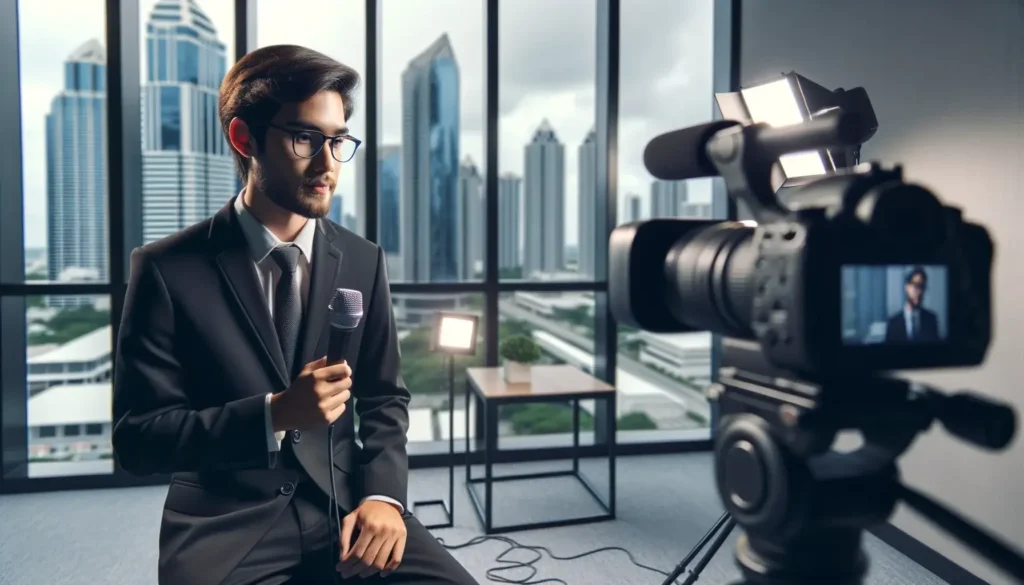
(509, 565)
(333, 512)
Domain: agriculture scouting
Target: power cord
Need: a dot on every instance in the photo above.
(513, 564)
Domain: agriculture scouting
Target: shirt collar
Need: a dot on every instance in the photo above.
(262, 241)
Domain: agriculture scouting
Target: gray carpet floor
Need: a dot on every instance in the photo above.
(665, 504)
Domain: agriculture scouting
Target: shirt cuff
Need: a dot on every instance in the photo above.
(401, 508)
(273, 439)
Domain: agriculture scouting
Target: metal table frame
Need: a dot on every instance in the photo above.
(485, 510)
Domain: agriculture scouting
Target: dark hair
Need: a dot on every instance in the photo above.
(917, 271)
(263, 80)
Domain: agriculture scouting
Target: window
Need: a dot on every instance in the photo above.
(62, 68)
(668, 85)
(68, 378)
(424, 372)
(562, 326)
(188, 172)
(547, 151)
(338, 31)
(430, 195)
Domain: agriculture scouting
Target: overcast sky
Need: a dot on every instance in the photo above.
(547, 70)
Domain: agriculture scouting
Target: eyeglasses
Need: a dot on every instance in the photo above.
(309, 143)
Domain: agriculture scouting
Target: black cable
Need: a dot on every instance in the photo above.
(512, 564)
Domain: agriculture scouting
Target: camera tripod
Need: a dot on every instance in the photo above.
(804, 507)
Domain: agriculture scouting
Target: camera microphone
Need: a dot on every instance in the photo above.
(683, 154)
(345, 313)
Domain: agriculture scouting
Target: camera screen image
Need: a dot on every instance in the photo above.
(894, 304)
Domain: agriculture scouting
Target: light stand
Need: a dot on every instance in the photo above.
(453, 334)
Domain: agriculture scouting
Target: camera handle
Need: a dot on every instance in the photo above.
(804, 507)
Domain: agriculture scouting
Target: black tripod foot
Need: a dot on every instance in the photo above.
(723, 526)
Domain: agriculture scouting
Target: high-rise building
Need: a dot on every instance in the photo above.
(388, 200)
(188, 172)
(430, 166)
(667, 198)
(471, 213)
(587, 206)
(337, 209)
(544, 199)
(76, 173)
(510, 214)
(634, 209)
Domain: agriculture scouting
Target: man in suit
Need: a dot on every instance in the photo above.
(914, 324)
(221, 380)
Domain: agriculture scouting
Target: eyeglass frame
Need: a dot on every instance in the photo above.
(295, 131)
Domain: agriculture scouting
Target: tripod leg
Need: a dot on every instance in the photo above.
(710, 553)
(696, 549)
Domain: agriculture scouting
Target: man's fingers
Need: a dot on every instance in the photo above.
(348, 524)
(381, 563)
(355, 563)
(314, 365)
(333, 371)
(380, 546)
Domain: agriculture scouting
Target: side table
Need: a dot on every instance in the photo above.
(549, 383)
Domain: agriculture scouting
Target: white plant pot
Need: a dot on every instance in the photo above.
(516, 372)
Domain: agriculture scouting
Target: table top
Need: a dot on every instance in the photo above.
(549, 381)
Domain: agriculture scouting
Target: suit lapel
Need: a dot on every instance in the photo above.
(243, 290)
(326, 267)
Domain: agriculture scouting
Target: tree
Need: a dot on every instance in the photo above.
(544, 418)
(425, 372)
(71, 324)
(636, 421)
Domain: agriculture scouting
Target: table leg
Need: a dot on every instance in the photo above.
(491, 426)
(610, 416)
(575, 436)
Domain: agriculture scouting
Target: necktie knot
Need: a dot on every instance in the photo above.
(287, 257)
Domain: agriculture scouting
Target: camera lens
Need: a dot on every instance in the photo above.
(713, 274)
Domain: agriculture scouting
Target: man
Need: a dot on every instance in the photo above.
(221, 378)
(914, 324)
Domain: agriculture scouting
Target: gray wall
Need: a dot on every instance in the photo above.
(946, 78)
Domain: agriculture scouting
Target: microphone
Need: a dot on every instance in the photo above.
(345, 312)
(682, 154)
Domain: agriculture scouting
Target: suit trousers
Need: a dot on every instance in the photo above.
(297, 550)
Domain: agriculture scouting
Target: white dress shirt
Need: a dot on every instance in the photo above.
(261, 242)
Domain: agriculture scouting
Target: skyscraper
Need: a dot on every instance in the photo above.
(187, 169)
(544, 197)
(430, 165)
(337, 209)
(667, 198)
(76, 170)
(390, 183)
(510, 214)
(633, 208)
(471, 214)
(587, 205)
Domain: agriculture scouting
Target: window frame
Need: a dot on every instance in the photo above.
(123, 44)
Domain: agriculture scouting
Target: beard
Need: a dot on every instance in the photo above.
(299, 199)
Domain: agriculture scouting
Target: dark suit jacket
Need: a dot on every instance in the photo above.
(896, 327)
(196, 354)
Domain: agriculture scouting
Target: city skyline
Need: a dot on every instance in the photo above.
(523, 81)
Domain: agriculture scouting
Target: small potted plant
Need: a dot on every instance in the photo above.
(519, 353)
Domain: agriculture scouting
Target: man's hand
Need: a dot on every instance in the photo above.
(381, 541)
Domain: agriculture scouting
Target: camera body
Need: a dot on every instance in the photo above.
(852, 273)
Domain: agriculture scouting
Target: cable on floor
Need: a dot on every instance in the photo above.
(510, 565)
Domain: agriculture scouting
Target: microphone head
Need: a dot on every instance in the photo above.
(681, 154)
(346, 308)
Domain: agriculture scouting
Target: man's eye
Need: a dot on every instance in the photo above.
(304, 137)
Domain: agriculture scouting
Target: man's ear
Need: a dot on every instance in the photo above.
(240, 138)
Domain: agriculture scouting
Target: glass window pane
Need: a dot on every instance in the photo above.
(668, 85)
(425, 373)
(62, 62)
(188, 172)
(338, 31)
(547, 147)
(68, 365)
(562, 326)
(430, 196)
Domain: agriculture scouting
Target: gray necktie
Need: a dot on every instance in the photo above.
(288, 303)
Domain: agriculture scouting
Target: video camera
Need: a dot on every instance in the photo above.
(843, 279)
